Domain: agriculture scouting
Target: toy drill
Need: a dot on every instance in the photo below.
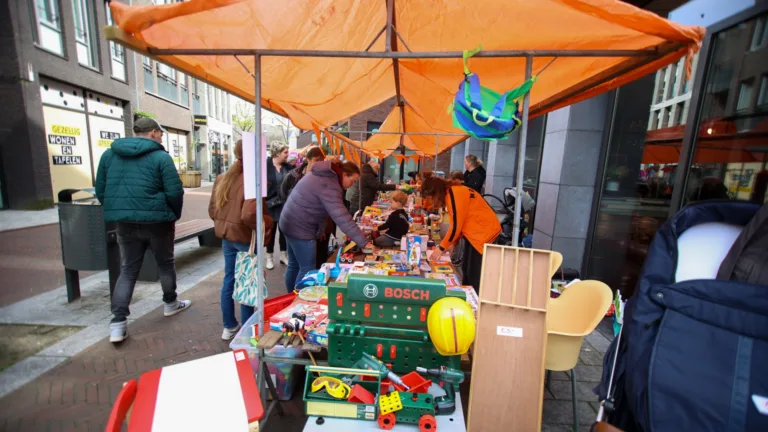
(452, 378)
(370, 362)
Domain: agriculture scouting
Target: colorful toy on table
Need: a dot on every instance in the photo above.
(348, 257)
(372, 211)
(414, 249)
(312, 278)
(313, 312)
(317, 334)
(370, 259)
(451, 280)
(295, 324)
(442, 268)
(314, 293)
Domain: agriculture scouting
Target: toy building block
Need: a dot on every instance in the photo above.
(390, 403)
(360, 395)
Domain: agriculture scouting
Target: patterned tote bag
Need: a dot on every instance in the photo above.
(246, 278)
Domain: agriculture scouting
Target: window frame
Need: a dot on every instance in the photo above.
(53, 25)
(86, 37)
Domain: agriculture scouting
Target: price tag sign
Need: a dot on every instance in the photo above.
(509, 331)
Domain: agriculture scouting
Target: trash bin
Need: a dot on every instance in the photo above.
(87, 243)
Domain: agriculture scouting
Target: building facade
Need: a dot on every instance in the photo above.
(68, 93)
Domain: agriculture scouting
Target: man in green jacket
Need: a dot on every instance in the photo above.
(140, 189)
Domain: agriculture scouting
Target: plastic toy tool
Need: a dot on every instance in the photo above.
(368, 361)
(451, 378)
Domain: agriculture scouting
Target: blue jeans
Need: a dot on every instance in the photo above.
(301, 259)
(230, 250)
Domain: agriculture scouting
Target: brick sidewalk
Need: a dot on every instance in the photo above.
(78, 394)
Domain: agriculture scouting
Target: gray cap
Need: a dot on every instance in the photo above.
(146, 124)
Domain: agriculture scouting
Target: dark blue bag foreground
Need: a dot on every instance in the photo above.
(694, 354)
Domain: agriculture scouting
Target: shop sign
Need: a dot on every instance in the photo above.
(107, 138)
(201, 120)
(65, 130)
(67, 160)
(61, 140)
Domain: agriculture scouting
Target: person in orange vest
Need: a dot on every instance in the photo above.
(470, 217)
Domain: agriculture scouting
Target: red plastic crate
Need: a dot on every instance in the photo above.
(416, 382)
(275, 305)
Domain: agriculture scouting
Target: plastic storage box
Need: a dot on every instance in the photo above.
(284, 375)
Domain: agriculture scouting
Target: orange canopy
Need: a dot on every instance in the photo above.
(319, 92)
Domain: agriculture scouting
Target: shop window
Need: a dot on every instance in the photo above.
(183, 90)
(167, 87)
(46, 29)
(762, 96)
(729, 146)
(673, 72)
(85, 34)
(680, 113)
(149, 75)
(116, 54)
(635, 191)
(197, 94)
(745, 96)
(759, 34)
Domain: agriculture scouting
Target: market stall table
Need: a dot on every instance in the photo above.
(212, 393)
(451, 423)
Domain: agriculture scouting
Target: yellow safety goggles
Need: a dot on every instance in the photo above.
(333, 386)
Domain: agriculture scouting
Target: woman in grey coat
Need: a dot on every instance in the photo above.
(318, 195)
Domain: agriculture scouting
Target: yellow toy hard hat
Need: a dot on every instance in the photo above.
(451, 326)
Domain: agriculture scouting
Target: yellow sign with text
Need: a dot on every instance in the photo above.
(106, 143)
(65, 130)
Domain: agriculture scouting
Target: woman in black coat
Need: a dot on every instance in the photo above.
(474, 176)
(277, 169)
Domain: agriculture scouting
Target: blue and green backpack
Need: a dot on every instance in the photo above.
(483, 113)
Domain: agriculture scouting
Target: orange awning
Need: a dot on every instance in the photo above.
(315, 91)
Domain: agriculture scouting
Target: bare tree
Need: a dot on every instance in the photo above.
(243, 117)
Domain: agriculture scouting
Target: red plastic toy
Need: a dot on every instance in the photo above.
(416, 382)
(348, 257)
(358, 394)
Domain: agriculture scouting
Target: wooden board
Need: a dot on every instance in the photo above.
(506, 391)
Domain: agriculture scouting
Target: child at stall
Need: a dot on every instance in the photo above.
(397, 224)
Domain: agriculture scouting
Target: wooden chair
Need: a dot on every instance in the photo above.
(570, 317)
(121, 409)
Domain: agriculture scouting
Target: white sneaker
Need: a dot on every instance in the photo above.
(228, 334)
(171, 309)
(270, 262)
(118, 331)
(284, 258)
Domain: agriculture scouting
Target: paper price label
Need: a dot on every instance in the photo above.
(509, 331)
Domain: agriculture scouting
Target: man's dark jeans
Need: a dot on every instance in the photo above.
(134, 239)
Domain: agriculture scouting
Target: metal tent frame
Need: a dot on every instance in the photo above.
(637, 58)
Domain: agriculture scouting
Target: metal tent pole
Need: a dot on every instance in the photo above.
(259, 219)
(437, 147)
(521, 154)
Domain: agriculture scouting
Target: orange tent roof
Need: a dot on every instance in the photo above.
(315, 91)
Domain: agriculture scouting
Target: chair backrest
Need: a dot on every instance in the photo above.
(572, 316)
(579, 309)
(121, 407)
